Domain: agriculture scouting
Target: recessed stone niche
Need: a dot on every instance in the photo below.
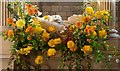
(64, 9)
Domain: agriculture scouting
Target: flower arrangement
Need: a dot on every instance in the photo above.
(78, 43)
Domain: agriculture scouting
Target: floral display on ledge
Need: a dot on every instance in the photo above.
(80, 41)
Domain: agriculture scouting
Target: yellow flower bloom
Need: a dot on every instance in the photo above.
(29, 29)
(25, 51)
(98, 14)
(54, 42)
(102, 14)
(39, 60)
(94, 34)
(38, 29)
(32, 11)
(89, 10)
(105, 13)
(51, 52)
(20, 23)
(51, 43)
(87, 49)
(10, 20)
(89, 29)
(46, 17)
(51, 28)
(28, 6)
(72, 27)
(36, 21)
(57, 41)
(94, 27)
(78, 24)
(71, 45)
(86, 19)
(45, 36)
(103, 33)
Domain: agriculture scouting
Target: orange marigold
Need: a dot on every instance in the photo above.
(29, 29)
(51, 28)
(71, 45)
(32, 11)
(10, 33)
(87, 49)
(10, 21)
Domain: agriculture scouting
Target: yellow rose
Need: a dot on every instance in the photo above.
(103, 33)
(86, 49)
(20, 23)
(51, 28)
(57, 41)
(51, 43)
(89, 10)
(39, 60)
(71, 45)
(45, 36)
(51, 52)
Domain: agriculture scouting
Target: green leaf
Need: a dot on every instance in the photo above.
(35, 45)
(103, 21)
(98, 56)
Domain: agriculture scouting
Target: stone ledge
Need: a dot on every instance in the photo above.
(4, 56)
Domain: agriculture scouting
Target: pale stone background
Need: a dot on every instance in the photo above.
(4, 50)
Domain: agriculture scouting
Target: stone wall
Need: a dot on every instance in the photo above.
(64, 9)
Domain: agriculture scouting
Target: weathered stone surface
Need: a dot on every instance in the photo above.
(45, 13)
(51, 13)
(56, 8)
(61, 13)
(65, 8)
(46, 8)
(75, 8)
